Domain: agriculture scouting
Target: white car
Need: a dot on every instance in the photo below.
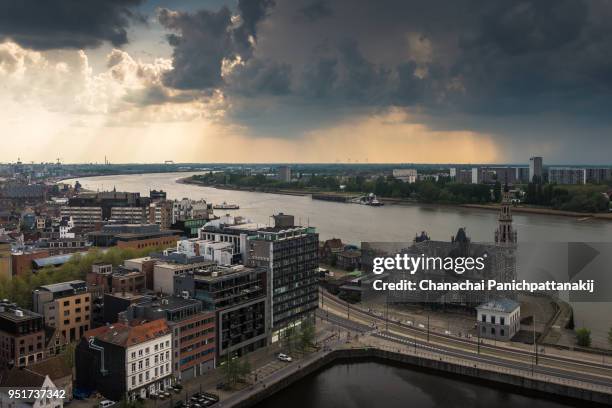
(284, 357)
(106, 404)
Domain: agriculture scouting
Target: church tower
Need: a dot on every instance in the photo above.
(505, 235)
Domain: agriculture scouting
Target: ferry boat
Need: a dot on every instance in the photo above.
(226, 206)
(371, 199)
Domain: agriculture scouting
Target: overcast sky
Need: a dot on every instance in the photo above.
(471, 81)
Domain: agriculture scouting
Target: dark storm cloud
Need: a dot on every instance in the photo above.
(202, 40)
(51, 24)
(316, 10)
(475, 64)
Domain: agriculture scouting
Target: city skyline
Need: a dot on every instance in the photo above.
(308, 81)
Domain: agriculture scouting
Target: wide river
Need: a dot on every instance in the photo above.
(369, 385)
(391, 223)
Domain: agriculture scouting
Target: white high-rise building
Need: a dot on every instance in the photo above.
(535, 168)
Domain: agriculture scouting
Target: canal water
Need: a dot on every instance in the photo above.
(372, 385)
(354, 223)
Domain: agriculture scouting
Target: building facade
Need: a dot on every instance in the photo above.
(237, 295)
(193, 332)
(22, 336)
(65, 307)
(126, 361)
(567, 175)
(499, 319)
(291, 255)
(536, 169)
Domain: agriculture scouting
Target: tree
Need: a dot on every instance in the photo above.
(68, 355)
(583, 337)
(307, 337)
(497, 191)
(230, 370)
(235, 370)
(291, 339)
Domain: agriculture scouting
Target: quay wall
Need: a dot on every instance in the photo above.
(478, 375)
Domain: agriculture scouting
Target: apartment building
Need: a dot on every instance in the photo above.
(89, 210)
(87, 217)
(219, 252)
(193, 331)
(160, 213)
(231, 229)
(129, 215)
(144, 265)
(536, 169)
(65, 306)
(126, 361)
(406, 175)
(237, 296)
(291, 255)
(567, 175)
(598, 175)
(22, 336)
(165, 271)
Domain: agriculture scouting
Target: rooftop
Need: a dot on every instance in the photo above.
(55, 367)
(75, 285)
(21, 378)
(10, 311)
(217, 272)
(500, 305)
(170, 303)
(125, 335)
(53, 260)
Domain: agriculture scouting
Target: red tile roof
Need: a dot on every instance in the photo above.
(125, 335)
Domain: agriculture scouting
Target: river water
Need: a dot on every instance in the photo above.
(370, 385)
(355, 223)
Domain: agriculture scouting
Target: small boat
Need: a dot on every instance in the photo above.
(371, 199)
(226, 206)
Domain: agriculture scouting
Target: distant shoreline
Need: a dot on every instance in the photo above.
(402, 201)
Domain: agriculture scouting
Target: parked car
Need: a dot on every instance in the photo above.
(285, 358)
(106, 404)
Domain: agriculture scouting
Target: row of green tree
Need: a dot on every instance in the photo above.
(441, 191)
(581, 198)
(19, 288)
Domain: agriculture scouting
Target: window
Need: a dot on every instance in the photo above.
(501, 332)
(493, 319)
(502, 320)
(133, 354)
(134, 380)
(133, 367)
(493, 330)
(484, 318)
(66, 303)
